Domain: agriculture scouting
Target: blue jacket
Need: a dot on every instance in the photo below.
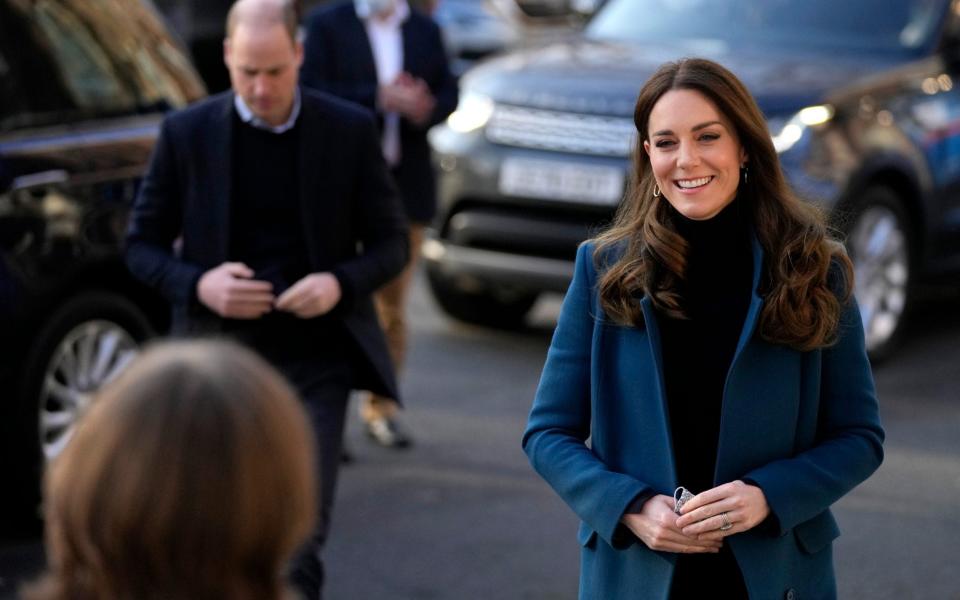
(804, 426)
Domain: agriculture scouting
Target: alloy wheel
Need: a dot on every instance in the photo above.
(90, 355)
(880, 252)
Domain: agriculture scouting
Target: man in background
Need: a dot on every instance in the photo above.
(268, 215)
(389, 58)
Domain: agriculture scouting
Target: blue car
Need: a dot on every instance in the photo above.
(862, 101)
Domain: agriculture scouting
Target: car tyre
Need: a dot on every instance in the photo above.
(498, 309)
(879, 240)
(83, 345)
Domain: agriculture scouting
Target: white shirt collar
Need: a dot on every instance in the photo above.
(247, 116)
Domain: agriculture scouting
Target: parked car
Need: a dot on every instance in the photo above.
(474, 29)
(863, 105)
(82, 90)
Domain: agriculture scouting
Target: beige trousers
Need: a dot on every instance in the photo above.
(391, 304)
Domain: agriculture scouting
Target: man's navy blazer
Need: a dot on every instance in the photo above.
(338, 59)
(353, 222)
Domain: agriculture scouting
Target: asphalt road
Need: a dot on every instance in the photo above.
(462, 516)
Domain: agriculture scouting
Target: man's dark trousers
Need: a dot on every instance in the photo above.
(325, 391)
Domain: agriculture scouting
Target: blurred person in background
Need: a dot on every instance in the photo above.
(267, 214)
(389, 58)
(708, 340)
(191, 476)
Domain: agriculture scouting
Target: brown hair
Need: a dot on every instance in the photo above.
(265, 13)
(642, 254)
(191, 477)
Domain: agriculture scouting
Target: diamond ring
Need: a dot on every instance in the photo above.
(726, 522)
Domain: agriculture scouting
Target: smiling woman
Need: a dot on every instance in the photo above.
(695, 154)
(714, 308)
(698, 130)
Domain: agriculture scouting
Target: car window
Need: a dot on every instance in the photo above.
(899, 26)
(10, 102)
(75, 59)
(87, 70)
(29, 82)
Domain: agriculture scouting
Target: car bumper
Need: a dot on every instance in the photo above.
(491, 267)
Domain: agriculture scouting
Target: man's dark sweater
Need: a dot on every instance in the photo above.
(266, 233)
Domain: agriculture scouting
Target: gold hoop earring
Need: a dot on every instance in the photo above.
(656, 191)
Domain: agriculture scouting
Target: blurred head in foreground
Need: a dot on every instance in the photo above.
(191, 477)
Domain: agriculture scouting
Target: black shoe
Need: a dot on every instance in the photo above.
(387, 433)
(346, 457)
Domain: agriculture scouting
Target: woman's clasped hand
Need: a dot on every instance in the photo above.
(699, 526)
(738, 504)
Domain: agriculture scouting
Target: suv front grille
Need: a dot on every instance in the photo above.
(561, 131)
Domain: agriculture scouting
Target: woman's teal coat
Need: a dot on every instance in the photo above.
(804, 426)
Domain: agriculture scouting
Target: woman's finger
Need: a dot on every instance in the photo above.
(705, 511)
(715, 523)
(678, 538)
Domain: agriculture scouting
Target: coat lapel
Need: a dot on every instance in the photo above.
(314, 163)
(409, 48)
(736, 424)
(656, 356)
(219, 159)
(362, 54)
(756, 302)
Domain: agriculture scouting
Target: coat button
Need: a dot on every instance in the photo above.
(791, 595)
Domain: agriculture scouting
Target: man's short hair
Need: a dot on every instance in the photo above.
(264, 13)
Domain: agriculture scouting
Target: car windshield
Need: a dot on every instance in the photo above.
(896, 26)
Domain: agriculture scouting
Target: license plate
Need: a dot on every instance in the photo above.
(557, 180)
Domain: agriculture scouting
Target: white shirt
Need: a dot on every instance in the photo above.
(386, 44)
(247, 116)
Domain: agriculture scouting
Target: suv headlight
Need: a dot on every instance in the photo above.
(473, 111)
(791, 133)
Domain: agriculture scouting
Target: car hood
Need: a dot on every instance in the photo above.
(604, 77)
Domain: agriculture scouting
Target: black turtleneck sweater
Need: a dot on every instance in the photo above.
(697, 354)
(697, 351)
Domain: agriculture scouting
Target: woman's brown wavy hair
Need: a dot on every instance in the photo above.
(642, 255)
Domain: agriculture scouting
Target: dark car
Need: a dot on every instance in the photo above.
(863, 105)
(83, 87)
(474, 29)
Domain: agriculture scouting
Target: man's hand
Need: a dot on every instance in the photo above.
(314, 295)
(420, 104)
(230, 291)
(741, 505)
(409, 96)
(392, 98)
(656, 526)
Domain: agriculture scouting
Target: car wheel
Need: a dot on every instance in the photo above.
(879, 243)
(500, 309)
(86, 343)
